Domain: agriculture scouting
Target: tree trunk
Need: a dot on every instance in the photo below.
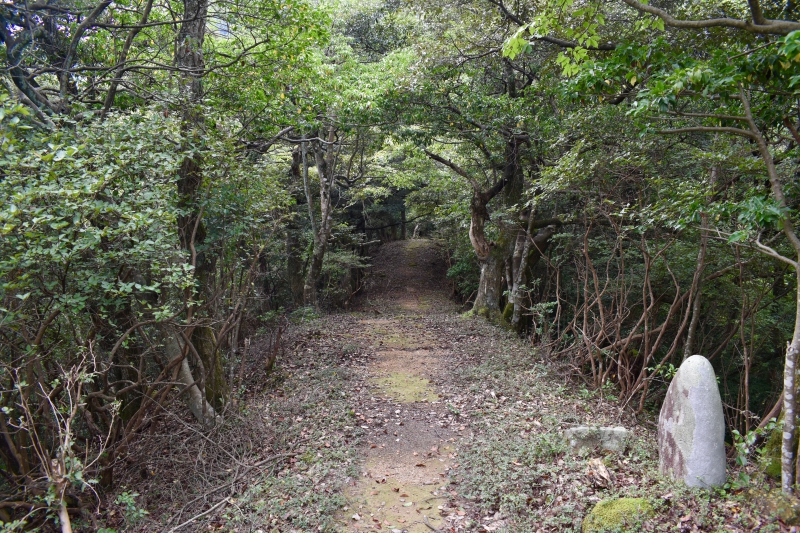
(314, 272)
(491, 255)
(403, 220)
(189, 59)
(793, 348)
(789, 399)
(200, 408)
(191, 230)
(325, 166)
(294, 263)
(697, 282)
(487, 299)
(63, 516)
(532, 252)
(216, 386)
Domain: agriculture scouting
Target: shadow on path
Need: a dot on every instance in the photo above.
(410, 437)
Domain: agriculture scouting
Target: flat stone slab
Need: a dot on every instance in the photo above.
(691, 427)
(613, 439)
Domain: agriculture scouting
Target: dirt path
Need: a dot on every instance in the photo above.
(405, 416)
(410, 432)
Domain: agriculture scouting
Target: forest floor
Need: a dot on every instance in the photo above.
(403, 415)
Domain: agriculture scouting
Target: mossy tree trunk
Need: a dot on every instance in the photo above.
(325, 161)
(490, 255)
(216, 386)
(191, 229)
(487, 299)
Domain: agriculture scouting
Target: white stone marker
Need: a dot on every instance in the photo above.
(691, 427)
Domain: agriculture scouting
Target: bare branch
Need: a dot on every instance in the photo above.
(768, 250)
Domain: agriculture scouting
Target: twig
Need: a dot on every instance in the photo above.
(201, 515)
(425, 521)
(240, 476)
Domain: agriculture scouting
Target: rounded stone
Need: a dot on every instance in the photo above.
(616, 514)
(691, 426)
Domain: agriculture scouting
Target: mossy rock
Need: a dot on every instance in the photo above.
(777, 504)
(615, 515)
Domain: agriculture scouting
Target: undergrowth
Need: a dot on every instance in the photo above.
(518, 472)
(295, 423)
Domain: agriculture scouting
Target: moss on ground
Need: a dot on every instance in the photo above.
(615, 515)
(406, 387)
(776, 504)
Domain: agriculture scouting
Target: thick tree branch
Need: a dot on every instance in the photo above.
(710, 129)
(548, 39)
(708, 115)
(759, 25)
(792, 129)
(112, 90)
(73, 45)
(755, 11)
(455, 168)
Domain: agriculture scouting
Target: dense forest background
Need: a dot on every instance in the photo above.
(613, 180)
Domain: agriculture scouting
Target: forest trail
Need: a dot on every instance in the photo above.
(409, 431)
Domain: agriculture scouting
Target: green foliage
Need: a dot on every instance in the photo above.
(744, 443)
(133, 513)
(465, 272)
(91, 263)
(82, 206)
